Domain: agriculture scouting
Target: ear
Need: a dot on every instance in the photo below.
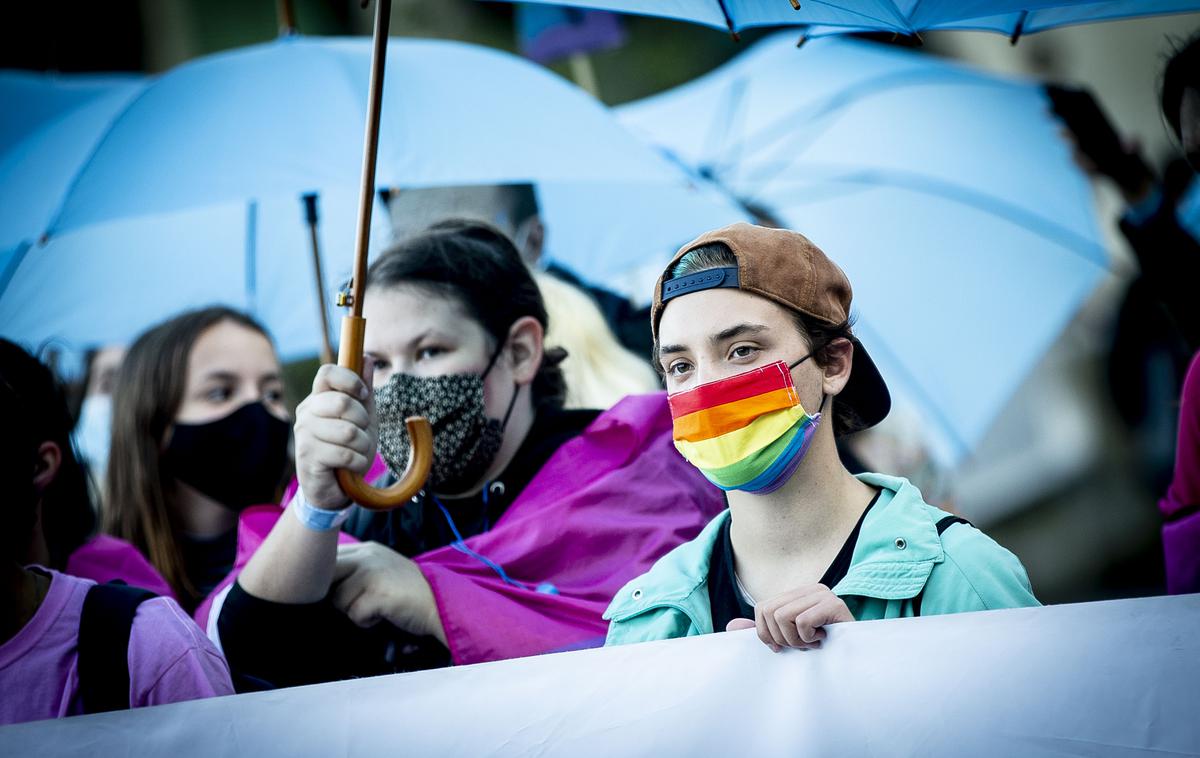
(525, 349)
(837, 371)
(49, 460)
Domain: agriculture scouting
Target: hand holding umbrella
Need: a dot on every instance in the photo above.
(350, 351)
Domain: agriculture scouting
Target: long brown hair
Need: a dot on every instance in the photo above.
(147, 398)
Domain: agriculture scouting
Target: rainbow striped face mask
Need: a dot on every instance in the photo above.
(746, 432)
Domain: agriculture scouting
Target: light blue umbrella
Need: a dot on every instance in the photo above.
(46, 98)
(946, 195)
(233, 140)
(51, 124)
(1010, 17)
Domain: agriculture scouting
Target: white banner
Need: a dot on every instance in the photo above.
(1098, 679)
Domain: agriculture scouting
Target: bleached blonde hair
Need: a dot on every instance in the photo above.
(598, 370)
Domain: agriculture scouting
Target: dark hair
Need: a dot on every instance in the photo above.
(148, 395)
(34, 408)
(819, 334)
(478, 267)
(1181, 73)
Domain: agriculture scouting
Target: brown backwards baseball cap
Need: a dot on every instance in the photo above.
(783, 266)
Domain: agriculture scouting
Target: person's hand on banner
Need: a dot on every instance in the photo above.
(374, 583)
(796, 618)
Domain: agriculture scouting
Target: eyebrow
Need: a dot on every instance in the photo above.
(224, 376)
(229, 376)
(432, 332)
(737, 330)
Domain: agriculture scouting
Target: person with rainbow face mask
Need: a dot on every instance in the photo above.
(752, 331)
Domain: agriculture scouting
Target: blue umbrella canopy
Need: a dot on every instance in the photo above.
(214, 155)
(1010, 17)
(45, 98)
(51, 125)
(946, 195)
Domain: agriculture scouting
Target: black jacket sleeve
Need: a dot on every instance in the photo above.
(271, 645)
(1170, 261)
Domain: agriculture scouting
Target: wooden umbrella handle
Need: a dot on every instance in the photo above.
(419, 431)
(350, 351)
(387, 498)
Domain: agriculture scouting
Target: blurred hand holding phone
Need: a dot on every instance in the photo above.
(1097, 141)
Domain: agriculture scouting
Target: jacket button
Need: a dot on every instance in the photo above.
(637, 594)
(900, 543)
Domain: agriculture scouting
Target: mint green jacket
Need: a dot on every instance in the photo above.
(899, 555)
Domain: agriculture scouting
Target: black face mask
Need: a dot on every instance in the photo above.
(238, 460)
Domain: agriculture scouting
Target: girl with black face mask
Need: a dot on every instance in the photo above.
(200, 433)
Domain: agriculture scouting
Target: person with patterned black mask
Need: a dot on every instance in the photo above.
(532, 515)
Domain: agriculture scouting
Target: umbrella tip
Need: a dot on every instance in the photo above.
(795, 5)
(1019, 29)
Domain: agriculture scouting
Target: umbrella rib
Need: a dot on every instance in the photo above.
(10, 271)
(52, 227)
(784, 127)
(718, 146)
(1043, 227)
(728, 19)
(897, 20)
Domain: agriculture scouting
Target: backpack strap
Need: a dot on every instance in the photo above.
(942, 525)
(104, 630)
(950, 521)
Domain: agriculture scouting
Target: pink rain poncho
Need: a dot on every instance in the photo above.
(601, 511)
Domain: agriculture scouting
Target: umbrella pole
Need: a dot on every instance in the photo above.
(310, 217)
(350, 351)
(287, 17)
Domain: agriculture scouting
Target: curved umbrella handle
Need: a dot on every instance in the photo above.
(419, 431)
(387, 498)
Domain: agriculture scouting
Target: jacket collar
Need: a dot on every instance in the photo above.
(898, 545)
(895, 553)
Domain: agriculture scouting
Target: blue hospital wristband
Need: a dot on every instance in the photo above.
(317, 519)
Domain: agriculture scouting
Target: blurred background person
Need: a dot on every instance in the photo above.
(50, 666)
(514, 210)
(200, 433)
(598, 370)
(1159, 324)
(63, 518)
(93, 425)
(1181, 505)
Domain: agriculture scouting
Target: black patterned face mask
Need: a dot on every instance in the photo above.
(465, 440)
